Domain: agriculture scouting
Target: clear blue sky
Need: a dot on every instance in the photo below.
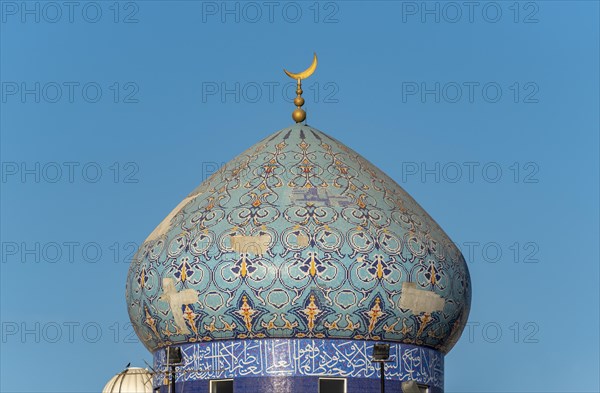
(487, 114)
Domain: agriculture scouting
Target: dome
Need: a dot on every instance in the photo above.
(298, 237)
(130, 380)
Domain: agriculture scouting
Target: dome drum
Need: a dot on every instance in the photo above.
(298, 364)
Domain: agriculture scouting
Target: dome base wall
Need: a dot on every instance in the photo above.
(291, 385)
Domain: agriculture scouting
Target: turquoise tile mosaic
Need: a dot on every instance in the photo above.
(299, 237)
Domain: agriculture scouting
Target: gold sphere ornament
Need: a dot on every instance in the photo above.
(299, 115)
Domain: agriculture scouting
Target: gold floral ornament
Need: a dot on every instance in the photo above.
(311, 311)
(247, 313)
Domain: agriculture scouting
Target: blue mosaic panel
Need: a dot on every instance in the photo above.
(299, 237)
(303, 357)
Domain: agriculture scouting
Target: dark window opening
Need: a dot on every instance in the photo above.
(224, 386)
(332, 385)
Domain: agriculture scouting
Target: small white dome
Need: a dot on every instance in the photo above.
(130, 380)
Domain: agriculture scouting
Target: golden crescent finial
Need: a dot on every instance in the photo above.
(306, 73)
(299, 115)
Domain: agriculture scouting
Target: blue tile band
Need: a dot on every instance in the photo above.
(303, 358)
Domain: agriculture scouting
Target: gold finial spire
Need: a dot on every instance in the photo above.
(299, 115)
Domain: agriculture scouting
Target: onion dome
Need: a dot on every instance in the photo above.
(298, 237)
